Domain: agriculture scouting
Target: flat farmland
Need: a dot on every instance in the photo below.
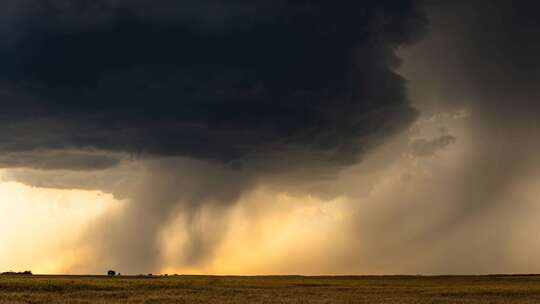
(270, 289)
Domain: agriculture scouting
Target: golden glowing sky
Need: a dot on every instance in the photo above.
(271, 231)
(40, 226)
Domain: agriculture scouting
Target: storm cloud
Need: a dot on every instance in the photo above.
(289, 136)
(204, 79)
(201, 100)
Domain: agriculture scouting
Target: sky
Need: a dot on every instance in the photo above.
(269, 137)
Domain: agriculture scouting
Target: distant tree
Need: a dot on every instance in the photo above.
(111, 273)
(27, 272)
(119, 274)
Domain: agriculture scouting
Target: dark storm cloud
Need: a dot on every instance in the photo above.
(205, 79)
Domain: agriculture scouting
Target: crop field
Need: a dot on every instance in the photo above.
(269, 289)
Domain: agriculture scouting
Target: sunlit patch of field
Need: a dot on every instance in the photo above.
(272, 289)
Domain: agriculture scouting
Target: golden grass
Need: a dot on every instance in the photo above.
(270, 289)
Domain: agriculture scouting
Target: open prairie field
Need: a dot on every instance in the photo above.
(269, 289)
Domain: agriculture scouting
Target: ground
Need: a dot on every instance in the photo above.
(273, 289)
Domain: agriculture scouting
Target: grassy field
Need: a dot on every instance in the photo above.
(290, 289)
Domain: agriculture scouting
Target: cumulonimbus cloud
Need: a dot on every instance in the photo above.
(254, 91)
(272, 75)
